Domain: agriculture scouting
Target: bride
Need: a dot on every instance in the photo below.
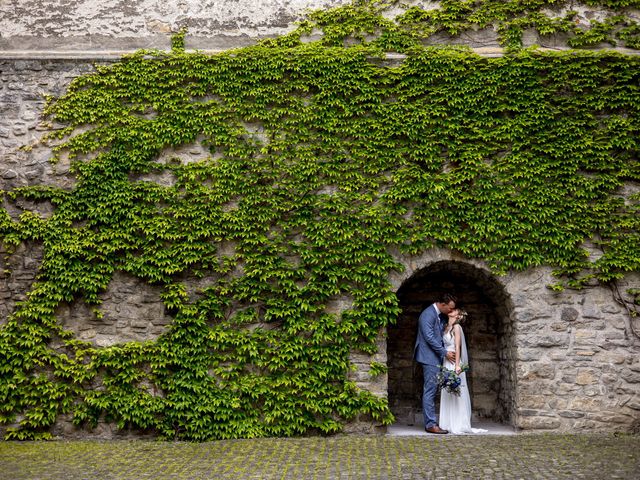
(455, 410)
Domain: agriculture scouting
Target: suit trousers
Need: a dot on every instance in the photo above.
(429, 391)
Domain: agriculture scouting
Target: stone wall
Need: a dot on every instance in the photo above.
(119, 26)
(577, 360)
(541, 361)
(23, 86)
(485, 333)
(564, 362)
(124, 25)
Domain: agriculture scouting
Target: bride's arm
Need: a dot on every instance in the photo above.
(456, 336)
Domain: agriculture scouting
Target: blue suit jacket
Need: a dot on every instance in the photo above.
(429, 348)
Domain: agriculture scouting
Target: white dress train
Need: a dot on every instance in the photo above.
(455, 411)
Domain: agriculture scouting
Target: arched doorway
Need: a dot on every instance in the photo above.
(489, 333)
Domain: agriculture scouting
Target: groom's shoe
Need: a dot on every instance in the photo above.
(435, 429)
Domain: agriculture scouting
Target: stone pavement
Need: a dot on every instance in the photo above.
(414, 456)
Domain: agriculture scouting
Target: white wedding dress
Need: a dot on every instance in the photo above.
(455, 411)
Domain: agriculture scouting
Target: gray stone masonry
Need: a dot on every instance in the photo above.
(32, 27)
(541, 361)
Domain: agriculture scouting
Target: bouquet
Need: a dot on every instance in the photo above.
(450, 380)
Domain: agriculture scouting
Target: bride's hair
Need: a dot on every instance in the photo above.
(462, 316)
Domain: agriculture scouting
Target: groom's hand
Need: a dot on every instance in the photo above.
(451, 356)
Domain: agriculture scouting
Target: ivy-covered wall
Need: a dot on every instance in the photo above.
(323, 168)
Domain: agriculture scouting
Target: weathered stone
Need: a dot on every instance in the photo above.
(528, 354)
(533, 401)
(538, 423)
(548, 340)
(584, 337)
(586, 377)
(630, 376)
(585, 354)
(592, 312)
(569, 314)
(585, 404)
(627, 389)
(608, 417)
(615, 336)
(635, 405)
(526, 366)
(616, 358)
(570, 414)
(611, 308)
(532, 413)
(595, 390)
(546, 370)
(566, 388)
(525, 315)
(560, 327)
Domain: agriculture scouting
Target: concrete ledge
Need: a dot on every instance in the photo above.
(90, 55)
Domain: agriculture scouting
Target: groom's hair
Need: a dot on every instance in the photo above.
(446, 298)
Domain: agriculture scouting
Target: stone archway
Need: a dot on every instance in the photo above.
(490, 339)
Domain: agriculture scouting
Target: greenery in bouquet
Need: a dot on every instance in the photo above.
(450, 380)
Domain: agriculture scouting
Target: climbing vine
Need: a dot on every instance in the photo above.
(323, 160)
(374, 23)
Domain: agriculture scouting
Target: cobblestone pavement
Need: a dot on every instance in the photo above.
(341, 457)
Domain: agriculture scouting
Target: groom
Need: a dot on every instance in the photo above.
(429, 351)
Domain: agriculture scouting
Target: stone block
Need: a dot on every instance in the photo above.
(548, 340)
(586, 377)
(591, 311)
(139, 324)
(87, 334)
(543, 370)
(525, 315)
(609, 417)
(584, 337)
(618, 322)
(19, 129)
(527, 412)
(570, 414)
(630, 376)
(583, 404)
(161, 320)
(614, 344)
(536, 387)
(616, 358)
(9, 174)
(584, 354)
(557, 403)
(532, 401)
(627, 389)
(538, 423)
(634, 404)
(569, 314)
(611, 309)
(528, 354)
(594, 390)
(615, 336)
(585, 425)
(559, 327)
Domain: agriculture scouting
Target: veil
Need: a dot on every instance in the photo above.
(464, 357)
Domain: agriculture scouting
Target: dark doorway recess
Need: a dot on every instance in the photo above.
(489, 333)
